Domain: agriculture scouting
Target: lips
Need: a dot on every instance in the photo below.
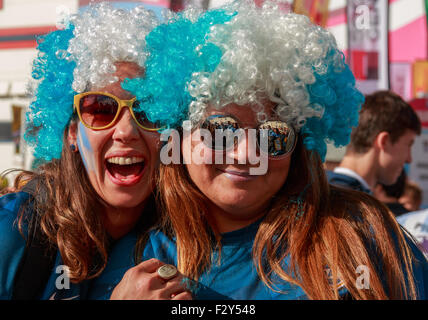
(125, 170)
(237, 175)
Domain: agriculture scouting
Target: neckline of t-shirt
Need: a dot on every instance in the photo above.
(243, 235)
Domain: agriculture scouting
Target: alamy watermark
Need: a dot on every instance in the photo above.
(363, 279)
(63, 280)
(362, 19)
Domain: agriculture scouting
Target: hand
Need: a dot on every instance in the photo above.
(142, 282)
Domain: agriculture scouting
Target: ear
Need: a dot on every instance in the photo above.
(72, 134)
(382, 140)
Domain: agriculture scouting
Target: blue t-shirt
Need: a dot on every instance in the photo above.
(12, 246)
(235, 276)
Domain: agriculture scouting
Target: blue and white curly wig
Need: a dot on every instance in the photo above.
(80, 56)
(241, 53)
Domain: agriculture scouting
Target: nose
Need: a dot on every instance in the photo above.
(245, 149)
(125, 128)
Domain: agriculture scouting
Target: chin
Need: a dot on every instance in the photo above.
(125, 204)
(126, 200)
(236, 203)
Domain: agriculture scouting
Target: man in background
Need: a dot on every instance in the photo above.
(380, 145)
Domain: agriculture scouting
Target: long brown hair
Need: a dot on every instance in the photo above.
(321, 227)
(69, 213)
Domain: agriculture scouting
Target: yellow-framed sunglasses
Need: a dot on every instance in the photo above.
(100, 110)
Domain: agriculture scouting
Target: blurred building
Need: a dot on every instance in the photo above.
(20, 22)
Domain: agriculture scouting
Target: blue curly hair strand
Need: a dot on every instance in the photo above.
(52, 108)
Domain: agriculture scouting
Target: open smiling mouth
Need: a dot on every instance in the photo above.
(125, 170)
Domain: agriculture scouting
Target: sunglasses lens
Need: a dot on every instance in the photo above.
(141, 118)
(97, 110)
(223, 132)
(276, 138)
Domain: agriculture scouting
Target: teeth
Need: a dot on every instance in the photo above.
(125, 160)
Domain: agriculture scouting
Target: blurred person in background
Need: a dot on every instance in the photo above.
(412, 196)
(380, 145)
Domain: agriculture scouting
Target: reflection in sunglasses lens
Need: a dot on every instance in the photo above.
(97, 110)
(280, 137)
(222, 130)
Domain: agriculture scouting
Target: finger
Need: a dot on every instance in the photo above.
(185, 295)
(149, 266)
(173, 287)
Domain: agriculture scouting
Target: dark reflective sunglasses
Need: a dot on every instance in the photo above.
(224, 130)
(100, 110)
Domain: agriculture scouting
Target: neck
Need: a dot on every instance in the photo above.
(120, 221)
(231, 220)
(363, 165)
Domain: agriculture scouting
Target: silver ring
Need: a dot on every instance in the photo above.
(167, 271)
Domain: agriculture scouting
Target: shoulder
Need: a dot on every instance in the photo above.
(331, 175)
(418, 262)
(343, 180)
(10, 206)
(12, 242)
(339, 178)
(11, 202)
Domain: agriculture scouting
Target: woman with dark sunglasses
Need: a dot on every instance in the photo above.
(88, 206)
(286, 233)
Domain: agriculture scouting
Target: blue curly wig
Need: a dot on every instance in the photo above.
(52, 108)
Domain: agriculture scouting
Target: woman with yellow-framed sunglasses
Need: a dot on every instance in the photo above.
(86, 207)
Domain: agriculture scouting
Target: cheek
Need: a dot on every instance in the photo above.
(86, 148)
(201, 175)
(152, 141)
(278, 172)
